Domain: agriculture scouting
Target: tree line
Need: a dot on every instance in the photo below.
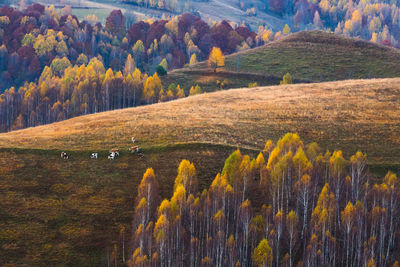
(170, 5)
(32, 37)
(64, 91)
(292, 205)
(377, 20)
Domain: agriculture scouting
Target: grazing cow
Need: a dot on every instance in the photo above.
(94, 156)
(140, 155)
(112, 155)
(64, 155)
(115, 151)
(134, 149)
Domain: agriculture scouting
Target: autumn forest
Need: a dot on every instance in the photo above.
(292, 205)
(200, 133)
(58, 68)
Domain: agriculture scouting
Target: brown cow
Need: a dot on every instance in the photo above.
(134, 149)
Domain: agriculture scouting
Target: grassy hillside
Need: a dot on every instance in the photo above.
(354, 114)
(309, 56)
(70, 212)
(209, 80)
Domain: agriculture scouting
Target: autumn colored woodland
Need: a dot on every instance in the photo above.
(376, 20)
(54, 67)
(292, 205)
(32, 38)
(72, 192)
(57, 67)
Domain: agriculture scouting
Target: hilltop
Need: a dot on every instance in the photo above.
(313, 56)
(320, 56)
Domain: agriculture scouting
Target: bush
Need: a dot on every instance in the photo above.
(255, 84)
(287, 79)
(161, 71)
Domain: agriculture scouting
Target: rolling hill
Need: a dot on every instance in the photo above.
(313, 56)
(71, 212)
(355, 114)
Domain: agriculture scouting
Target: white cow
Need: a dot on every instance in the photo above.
(133, 139)
(115, 151)
(64, 155)
(112, 155)
(94, 156)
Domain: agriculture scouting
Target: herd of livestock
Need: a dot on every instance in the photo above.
(113, 153)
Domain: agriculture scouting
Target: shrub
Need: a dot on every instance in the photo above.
(160, 70)
(287, 79)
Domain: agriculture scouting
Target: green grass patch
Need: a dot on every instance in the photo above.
(312, 56)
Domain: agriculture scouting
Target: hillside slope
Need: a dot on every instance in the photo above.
(309, 56)
(351, 115)
(320, 56)
(56, 212)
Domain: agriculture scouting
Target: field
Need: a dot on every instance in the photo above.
(100, 13)
(308, 56)
(72, 211)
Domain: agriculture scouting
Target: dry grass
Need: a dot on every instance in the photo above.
(348, 115)
(97, 196)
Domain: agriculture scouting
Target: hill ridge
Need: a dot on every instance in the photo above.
(315, 56)
(305, 37)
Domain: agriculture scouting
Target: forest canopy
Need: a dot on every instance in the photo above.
(32, 38)
(377, 20)
(58, 67)
(292, 205)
